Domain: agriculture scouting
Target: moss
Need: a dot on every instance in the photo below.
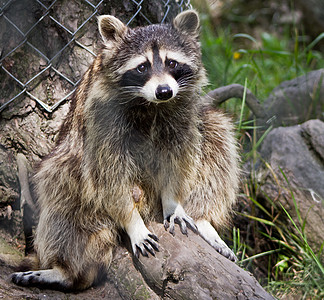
(8, 252)
(134, 287)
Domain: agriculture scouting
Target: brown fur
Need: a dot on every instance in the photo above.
(106, 152)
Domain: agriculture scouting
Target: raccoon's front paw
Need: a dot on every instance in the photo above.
(144, 243)
(180, 217)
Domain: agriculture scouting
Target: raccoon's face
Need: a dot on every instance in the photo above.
(157, 63)
(156, 75)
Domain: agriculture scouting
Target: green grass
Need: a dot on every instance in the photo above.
(233, 58)
(278, 241)
(261, 65)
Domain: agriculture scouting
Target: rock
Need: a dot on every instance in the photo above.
(8, 253)
(290, 103)
(299, 152)
(10, 217)
(297, 100)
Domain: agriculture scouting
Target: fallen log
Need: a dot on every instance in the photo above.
(186, 267)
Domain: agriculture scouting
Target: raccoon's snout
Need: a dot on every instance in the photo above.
(159, 89)
(163, 92)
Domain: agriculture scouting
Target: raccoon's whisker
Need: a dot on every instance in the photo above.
(129, 93)
(128, 100)
(186, 84)
(139, 100)
(186, 80)
(187, 87)
(129, 89)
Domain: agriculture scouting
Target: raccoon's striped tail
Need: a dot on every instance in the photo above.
(27, 203)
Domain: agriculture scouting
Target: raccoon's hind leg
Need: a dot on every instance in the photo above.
(71, 257)
(51, 278)
(57, 278)
(64, 277)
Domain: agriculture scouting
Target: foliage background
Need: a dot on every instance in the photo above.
(260, 44)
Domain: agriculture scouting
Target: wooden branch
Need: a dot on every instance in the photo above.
(185, 268)
(220, 95)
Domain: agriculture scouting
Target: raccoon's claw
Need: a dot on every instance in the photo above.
(142, 240)
(148, 245)
(210, 235)
(24, 278)
(181, 218)
(225, 251)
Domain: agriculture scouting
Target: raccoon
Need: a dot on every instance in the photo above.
(137, 145)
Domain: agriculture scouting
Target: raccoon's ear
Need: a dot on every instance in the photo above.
(111, 29)
(187, 22)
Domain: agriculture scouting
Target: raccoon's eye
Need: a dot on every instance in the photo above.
(172, 64)
(141, 68)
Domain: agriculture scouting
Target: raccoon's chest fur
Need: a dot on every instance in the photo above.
(159, 140)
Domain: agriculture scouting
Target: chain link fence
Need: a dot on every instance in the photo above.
(38, 40)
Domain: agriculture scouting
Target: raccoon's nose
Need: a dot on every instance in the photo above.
(163, 92)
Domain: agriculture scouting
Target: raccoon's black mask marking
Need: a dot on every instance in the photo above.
(182, 71)
(135, 78)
